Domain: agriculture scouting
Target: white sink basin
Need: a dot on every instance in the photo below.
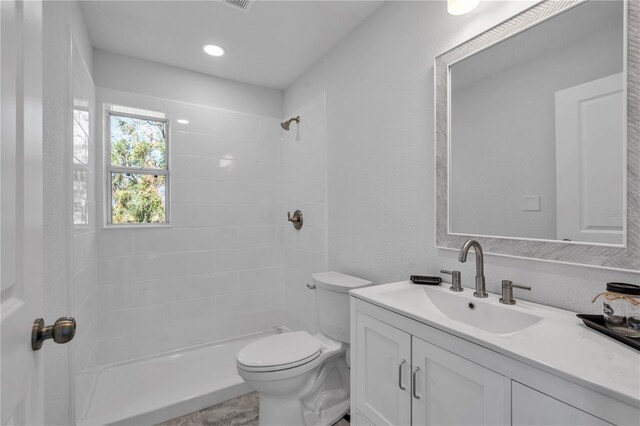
(486, 314)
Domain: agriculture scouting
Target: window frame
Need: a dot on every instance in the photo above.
(110, 169)
(79, 166)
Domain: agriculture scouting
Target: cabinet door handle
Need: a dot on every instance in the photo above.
(414, 384)
(400, 368)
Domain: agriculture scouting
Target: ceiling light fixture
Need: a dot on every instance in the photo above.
(213, 50)
(182, 121)
(460, 7)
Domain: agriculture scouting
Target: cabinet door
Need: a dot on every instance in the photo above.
(533, 408)
(450, 390)
(360, 419)
(383, 362)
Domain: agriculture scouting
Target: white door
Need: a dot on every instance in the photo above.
(590, 161)
(450, 390)
(20, 210)
(383, 363)
(532, 408)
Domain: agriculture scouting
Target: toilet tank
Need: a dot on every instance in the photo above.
(332, 302)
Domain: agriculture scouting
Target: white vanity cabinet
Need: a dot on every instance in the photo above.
(405, 372)
(383, 357)
(533, 408)
(450, 390)
(403, 380)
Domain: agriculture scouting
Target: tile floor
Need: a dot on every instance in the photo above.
(241, 411)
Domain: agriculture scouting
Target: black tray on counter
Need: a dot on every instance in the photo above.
(597, 323)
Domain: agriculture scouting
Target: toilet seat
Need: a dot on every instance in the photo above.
(279, 352)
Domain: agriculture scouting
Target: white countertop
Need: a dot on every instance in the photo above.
(559, 343)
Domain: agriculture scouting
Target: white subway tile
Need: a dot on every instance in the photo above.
(305, 260)
(115, 242)
(194, 167)
(186, 142)
(201, 119)
(235, 260)
(313, 239)
(85, 282)
(112, 270)
(201, 214)
(84, 249)
(235, 324)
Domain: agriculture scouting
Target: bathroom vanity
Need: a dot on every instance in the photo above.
(423, 355)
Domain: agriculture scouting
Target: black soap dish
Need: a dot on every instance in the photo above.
(597, 323)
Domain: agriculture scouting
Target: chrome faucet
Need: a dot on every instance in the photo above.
(481, 290)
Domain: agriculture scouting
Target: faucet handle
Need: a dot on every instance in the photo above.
(456, 280)
(507, 291)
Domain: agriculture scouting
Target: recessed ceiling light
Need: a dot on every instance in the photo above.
(183, 121)
(213, 50)
(460, 7)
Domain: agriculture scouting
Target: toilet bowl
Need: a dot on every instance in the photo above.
(304, 382)
(303, 379)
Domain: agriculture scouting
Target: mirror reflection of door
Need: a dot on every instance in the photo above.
(590, 161)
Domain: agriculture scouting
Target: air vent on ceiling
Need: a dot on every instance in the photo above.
(244, 5)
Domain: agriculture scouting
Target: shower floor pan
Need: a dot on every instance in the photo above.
(151, 390)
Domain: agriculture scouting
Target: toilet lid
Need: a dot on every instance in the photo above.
(284, 350)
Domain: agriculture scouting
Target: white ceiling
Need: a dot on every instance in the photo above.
(269, 46)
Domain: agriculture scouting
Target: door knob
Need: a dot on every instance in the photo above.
(62, 331)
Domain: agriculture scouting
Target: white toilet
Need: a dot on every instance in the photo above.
(304, 379)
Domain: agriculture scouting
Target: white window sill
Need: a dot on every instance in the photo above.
(136, 226)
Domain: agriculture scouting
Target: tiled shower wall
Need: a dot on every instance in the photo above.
(85, 239)
(305, 251)
(216, 272)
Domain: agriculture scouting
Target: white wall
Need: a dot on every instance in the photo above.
(216, 273)
(63, 265)
(503, 125)
(149, 78)
(305, 250)
(379, 87)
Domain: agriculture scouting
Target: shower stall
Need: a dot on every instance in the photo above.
(166, 305)
(163, 304)
(173, 301)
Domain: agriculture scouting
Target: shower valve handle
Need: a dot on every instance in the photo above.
(296, 219)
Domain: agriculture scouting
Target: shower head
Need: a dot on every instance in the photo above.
(287, 123)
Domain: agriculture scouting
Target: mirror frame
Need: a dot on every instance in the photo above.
(620, 257)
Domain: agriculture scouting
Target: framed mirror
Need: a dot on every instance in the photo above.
(538, 136)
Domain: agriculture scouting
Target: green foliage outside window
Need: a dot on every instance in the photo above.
(138, 196)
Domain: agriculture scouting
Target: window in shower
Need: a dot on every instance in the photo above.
(80, 163)
(137, 167)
